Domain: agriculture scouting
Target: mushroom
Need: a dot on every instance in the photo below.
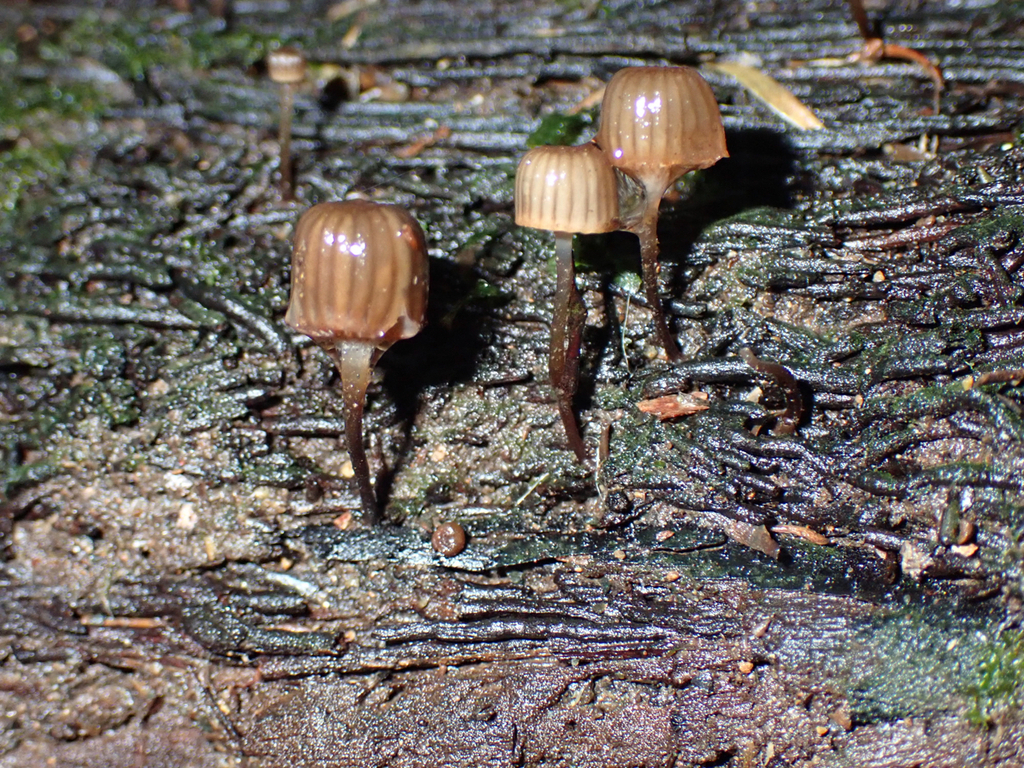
(568, 190)
(359, 284)
(286, 66)
(658, 123)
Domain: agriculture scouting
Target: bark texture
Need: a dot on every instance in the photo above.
(185, 577)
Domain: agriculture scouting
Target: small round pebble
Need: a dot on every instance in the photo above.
(449, 539)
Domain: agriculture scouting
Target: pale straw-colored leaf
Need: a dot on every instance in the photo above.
(773, 93)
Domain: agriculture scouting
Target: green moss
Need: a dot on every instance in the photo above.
(113, 401)
(919, 661)
(631, 452)
(29, 102)
(25, 166)
(238, 47)
(1013, 555)
(999, 686)
(912, 661)
(131, 45)
(44, 120)
(495, 183)
(29, 474)
(273, 469)
(41, 125)
(560, 129)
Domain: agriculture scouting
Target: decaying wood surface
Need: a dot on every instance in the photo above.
(801, 546)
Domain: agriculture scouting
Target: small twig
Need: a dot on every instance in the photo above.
(622, 334)
(875, 49)
(786, 424)
(604, 451)
(429, 140)
(774, 94)
(861, 17)
(803, 532)
(533, 486)
(992, 377)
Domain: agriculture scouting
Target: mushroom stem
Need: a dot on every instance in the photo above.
(355, 361)
(284, 136)
(647, 231)
(566, 337)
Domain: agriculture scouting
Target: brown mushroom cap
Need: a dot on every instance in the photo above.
(449, 539)
(359, 273)
(567, 189)
(660, 121)
(286, 65)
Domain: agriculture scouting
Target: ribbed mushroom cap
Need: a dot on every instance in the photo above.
(359, 273)
(567, 189)
(660, 120)
(286, 65)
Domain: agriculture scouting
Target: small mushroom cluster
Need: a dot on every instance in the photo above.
(657, 124)
(359, 269)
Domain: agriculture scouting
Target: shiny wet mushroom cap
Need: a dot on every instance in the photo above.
(359, 273)
(658, 123)
(359, 284)
(286, 65)
(567, 189)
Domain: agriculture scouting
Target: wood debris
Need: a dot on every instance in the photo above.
(965, 550)
(1015, 376)
(675, 406)
(875, 49)
(590, 101)
(121, 622)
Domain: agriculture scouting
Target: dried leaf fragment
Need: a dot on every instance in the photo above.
(965, 550)
(350, 38)
(675, 406)
(803, 532)
(841, 717)
(753, 536)
(773, 93)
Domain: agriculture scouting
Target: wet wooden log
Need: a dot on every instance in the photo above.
(185, 580)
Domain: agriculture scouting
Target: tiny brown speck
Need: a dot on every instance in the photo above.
(449, 539)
